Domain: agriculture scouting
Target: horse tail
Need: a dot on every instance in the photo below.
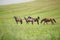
(54, 20)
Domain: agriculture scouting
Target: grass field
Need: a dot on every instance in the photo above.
(9, 30)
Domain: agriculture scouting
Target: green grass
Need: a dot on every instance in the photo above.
(9, 30)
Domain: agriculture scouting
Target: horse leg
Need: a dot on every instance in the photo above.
(44, 22)
(38, 22)
(27, 22)
(21, 22)
(32, 22)
(52, 22)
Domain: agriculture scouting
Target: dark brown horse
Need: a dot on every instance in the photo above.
(48, 20)
(18, 20)
(30, 19)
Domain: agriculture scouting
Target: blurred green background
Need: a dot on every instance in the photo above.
(9, 30)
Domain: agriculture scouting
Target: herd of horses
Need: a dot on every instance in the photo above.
(32, 20)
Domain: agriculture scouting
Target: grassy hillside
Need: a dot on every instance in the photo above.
(9, 30)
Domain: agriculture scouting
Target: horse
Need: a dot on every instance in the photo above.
(18, 20)
(30, 19)
(48, 20)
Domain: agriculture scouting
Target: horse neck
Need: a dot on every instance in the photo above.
(42, 20)
(15, 18)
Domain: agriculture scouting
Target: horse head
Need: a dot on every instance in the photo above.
(38, 17)
(15, 17)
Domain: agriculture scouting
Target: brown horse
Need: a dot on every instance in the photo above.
(18, 20)
(30, 19)
(48, 20)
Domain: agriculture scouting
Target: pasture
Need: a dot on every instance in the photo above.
(9, 30)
